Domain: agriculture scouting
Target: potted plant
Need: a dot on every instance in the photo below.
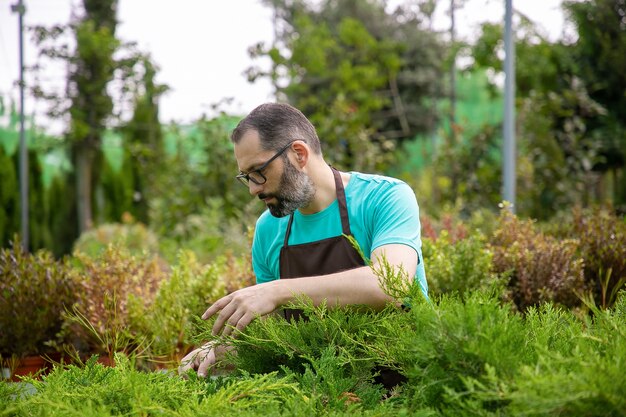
(99, 322)
(35, 290)
(168, 322)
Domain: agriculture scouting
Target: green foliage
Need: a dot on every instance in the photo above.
(135, 238)
(187, 292)
(469, 168)
(557, 143)
(475, 356)
(452, 341)
(97, 64)
(571, 133)
(599, 51)
(62, 215)
(144, 141)
(458, 164)
(458, 267)
(9, 198)
(96, 390)
(581, 380)
(359, 73)
(35, 290)
(207, 233)
(118, 189)
(210, 211)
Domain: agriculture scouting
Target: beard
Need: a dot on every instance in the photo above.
(295, 190)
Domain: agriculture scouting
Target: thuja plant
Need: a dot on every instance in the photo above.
(97, 390)
(459, 356)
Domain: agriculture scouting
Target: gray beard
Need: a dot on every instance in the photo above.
(296, 190)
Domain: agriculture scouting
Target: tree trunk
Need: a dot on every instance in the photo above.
(84, 158)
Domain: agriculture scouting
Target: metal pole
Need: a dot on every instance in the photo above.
(452, 72)
(20, 10)
(508, 160)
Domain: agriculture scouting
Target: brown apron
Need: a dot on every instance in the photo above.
(327, 256)
(322, 257)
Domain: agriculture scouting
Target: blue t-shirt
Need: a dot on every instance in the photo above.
(382, 211)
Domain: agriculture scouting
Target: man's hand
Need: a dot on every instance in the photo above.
(238, 309)
(203, 359)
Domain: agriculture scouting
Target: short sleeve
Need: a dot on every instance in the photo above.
(260, 261)
(396, 217)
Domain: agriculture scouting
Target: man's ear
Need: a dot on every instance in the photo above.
(302, 152)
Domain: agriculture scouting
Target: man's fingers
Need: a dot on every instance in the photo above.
(194, 359)
(207, 361)
(233, 322)
(224, 316)
(187, 363)
(244, 321)
(217, 306)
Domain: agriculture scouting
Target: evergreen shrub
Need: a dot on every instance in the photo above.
(461, 357)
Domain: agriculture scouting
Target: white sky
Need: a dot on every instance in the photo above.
(201, 45)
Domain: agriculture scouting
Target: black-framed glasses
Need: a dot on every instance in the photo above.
(255, 175)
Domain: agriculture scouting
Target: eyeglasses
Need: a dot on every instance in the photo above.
(255, 175)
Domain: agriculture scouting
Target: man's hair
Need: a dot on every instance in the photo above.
(277, 125)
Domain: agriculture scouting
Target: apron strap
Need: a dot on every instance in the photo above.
(343, 208)
(341, 199)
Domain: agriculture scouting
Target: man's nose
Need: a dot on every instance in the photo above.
(255, 189)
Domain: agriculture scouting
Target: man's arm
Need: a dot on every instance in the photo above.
(355, 286)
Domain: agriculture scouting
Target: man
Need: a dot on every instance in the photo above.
(299, 245)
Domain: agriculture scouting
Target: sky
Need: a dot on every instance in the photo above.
(201, 46)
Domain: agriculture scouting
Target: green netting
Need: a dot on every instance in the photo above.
(477, 105)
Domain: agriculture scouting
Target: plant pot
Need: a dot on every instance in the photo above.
(30, 365)
(106, 361)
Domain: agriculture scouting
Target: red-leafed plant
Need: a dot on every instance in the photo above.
(541, 267)
(35, 289)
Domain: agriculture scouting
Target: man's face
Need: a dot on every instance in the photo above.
(296, 190)
(286, 188)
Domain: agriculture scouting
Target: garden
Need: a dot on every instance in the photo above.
(137, 226)
(523, 319)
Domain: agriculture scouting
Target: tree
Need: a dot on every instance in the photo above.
(91, 70)
(144, 138)
(600, 51)
(93, 64)
(557, 147)
(364, 76)
(9, 199)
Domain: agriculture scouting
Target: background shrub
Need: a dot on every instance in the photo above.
(35, 289)
(457, 266)
(187, 292)
(100, 321)
(602, 238)
(136, 238)
(542, 268)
